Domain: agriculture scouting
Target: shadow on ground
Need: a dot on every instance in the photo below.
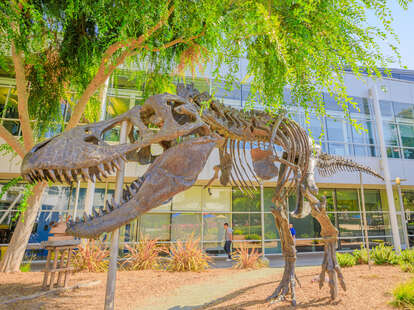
(215, 305)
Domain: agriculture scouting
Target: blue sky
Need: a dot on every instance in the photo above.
(404, 27)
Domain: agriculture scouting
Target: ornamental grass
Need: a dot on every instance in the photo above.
(142, 256)
(187, 256)
(91, 257)
(247, 258)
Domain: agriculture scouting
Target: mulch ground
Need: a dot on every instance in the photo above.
(366, 289)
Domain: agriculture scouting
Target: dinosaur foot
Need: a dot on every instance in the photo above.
(287, 285)
(330, 265)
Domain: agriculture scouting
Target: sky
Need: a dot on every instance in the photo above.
(404, 27)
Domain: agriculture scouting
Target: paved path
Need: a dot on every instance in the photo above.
(194, 296)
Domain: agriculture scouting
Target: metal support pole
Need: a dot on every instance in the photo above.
(364, 217)
(90, 190)
(384, 162)
(262, 217)
(75, 208)
(113, 259)
(403, 220)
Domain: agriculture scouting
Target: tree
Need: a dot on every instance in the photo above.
(73, 45)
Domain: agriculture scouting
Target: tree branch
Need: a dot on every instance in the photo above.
(12, 141)
(23, 97)
(105, 69)
(174, 42)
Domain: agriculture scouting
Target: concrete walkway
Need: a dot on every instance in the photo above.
(201, 294)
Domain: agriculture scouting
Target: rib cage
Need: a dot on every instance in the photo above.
(331, 164)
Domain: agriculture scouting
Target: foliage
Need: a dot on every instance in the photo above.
(383, 254)
(247, 258)
(187, 256)
(307, 45)
(361, 256)
(346, 259)
(143, 255)
(406, 260)
(91, 257)
(404, 295)
(27, 192)
(253, 237)
(26, 267)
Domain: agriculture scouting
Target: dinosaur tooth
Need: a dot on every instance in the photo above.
(116, 164)
(67, 175)
(109, 167)
(40, 173)
(123, 157)
(60, 175)
(98, 176)
(102, 170)
(85, 175)
(108, 206)
(52, 175)
(95, 213)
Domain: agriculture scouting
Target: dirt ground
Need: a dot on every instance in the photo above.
(365, 289)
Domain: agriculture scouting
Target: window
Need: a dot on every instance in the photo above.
(185, 226)
(403, 110)
(243, 203)
(156, 226)
(219, 200)
(364, 137)
(335, 129)
(407, 135)
(372, 200)
(362, 104)
(315, 127)
(330, 103)
(189, 200)
(386, 108)
(247, 226)
(347, 200)
(390, 134)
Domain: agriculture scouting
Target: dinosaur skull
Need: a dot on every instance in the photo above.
(83, 152)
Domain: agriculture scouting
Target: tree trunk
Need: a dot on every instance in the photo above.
(17, 246)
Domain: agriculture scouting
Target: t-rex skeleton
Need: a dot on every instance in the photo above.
(188, 129)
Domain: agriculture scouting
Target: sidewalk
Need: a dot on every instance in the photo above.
(195, 296)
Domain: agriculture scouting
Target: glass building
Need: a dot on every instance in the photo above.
(199, 213)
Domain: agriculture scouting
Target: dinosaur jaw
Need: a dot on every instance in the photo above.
(174, 171)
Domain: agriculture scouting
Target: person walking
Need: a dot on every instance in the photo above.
(228, 237)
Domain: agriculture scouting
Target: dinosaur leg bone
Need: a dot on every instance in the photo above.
(330, 239)
(288, 283)
(172, 172)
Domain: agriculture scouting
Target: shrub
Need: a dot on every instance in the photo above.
(404, 295)
(187, 256)
(253, 237)
(247, 258)
(382, 254)
(346, 259)
(143, 255)
(406, 260)
(361, 256)
(91, 257)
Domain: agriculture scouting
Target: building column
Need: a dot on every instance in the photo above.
(373, 93)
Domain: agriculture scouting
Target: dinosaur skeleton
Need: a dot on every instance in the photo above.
(188, 130)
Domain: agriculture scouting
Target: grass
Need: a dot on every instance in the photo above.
(247, 258)
(187, 256)
(91, 257)
(346, 259)
(404, 295)
(142, 256)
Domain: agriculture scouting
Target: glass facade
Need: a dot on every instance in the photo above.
(201, 214)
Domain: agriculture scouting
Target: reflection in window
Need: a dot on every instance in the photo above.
(185, 226)
(315, 128)
(393, 152)
(386, 108)
(156, 226)
(362, 104)
(364, 137)
(347, 200)
(403, 110)
(244, 203)
(350, 224)
(247, 226)
(390, 134)
(335, 130)
(330, 103)
(372, 200)
(407, 135)
(219, 200)
(408, 153)
(337, 149)
(188, 200)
